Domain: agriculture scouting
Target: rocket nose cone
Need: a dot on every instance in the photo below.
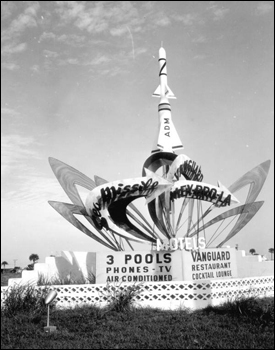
(162, 53)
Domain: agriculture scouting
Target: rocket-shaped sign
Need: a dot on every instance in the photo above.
(168, 139)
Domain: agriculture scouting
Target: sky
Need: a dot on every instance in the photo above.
(77, 79)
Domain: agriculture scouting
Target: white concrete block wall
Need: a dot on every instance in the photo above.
(169, 295)
(253, 265)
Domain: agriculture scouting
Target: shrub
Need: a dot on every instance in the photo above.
(30, 267)
(58, 280)
(121, 298)
(24, 298)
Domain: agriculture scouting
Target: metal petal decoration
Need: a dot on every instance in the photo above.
(255, 178)
(145, 224)
(68, 177)
(247, 211)
(68, 211)
(161, 212)
(117, 228)
(115, 220)
(160, 160)
(107, 203)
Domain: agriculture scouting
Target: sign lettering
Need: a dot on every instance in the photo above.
(181, 243)
(211, 264)
(200, 191)
(140, 266)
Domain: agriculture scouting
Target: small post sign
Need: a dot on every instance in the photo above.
(139, 266)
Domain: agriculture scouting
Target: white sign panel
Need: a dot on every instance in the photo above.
(139, 266)
(207, 264)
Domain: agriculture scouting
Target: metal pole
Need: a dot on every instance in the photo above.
(48, 318)
(173, 218)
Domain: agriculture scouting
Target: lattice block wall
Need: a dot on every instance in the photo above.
(170, 295)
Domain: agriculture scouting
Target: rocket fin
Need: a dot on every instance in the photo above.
(157, 92)
(169, 93)
(156, 146)
(168, 140)
(175, 139)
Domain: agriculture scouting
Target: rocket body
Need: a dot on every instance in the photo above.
(168, 139)
(162, 72)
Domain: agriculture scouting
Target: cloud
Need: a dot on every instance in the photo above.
(148, 5)
(23, 182)
(69, 10)
(72, 39)
(118, 31)
(264, 8)
(163, 22)
(121, 23)
(112, 72)
(200, 57)
(187, 19)
(98, 17)
(100, 59)
(15, 150)
(200, 39)
(8, 112)
(73, 61)
(10, 49)
(217, 11)
(46, 36)
(10, 66)
(140, 51)
(7, 8)
(10, 35)
(35, 68)
(50, 54)
(12, 120)
(100, 63)
(89, 17)
(24, 20)
(35, 189)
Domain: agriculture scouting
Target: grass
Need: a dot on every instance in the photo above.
(240, 324)
(58, 280)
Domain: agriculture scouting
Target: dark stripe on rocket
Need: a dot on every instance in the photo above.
(164, 65)
(164, 107)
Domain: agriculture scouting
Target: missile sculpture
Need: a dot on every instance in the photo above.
(168, 139)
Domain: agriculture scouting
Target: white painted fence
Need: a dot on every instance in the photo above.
(169, 295)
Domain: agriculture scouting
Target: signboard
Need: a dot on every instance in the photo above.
(166, 266)
(209, 264)
(139, 266)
